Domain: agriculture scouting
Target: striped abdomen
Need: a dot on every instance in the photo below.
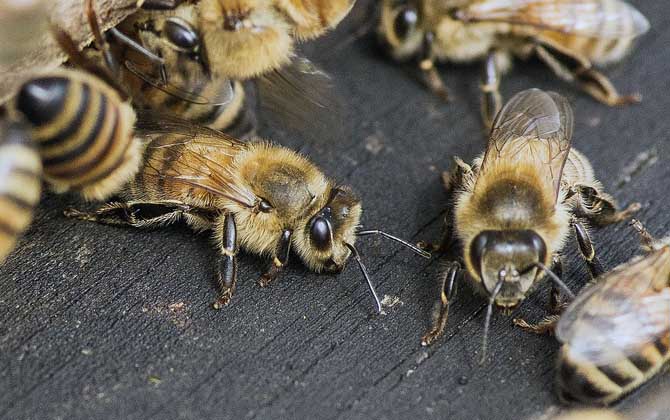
(20, 184)
(83, 132)
(587, 383)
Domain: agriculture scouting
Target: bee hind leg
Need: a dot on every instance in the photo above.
(447, 292)
(490, 87)
(279, 261)
(227, 266)
(575, 69)
(135, 214)
(600, 208)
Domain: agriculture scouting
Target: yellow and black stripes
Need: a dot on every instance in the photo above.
(83, 132)
(20, 184)
(585, 382)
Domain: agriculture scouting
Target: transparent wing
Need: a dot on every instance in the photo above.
(627, 309)
(533, 127)
(198, 88)
(301, 97)
(198, 156)
(590, 18)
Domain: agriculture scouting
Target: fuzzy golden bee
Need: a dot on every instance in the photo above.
(83, 131)
(187, 60)
(616, 334)
(20, 183)
(570, 36)
(255, 196)
(514, 207)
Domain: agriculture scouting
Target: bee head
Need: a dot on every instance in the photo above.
(506, 262)
(400, 29)
(244, 38)
(328, 232)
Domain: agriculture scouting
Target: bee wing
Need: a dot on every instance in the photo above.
(590, 18)
(198, 156)
(533, 125)
(627, 309)
(195, 91)
(301, 97)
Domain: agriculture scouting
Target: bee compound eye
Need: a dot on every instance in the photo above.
(405, 22)
(320, 233)
(181, 34)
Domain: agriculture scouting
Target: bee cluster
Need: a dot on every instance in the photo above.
(152, 118)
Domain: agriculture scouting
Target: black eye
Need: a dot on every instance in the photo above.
(405, 22)
(181, 34)
(320, 233)
(477, 250)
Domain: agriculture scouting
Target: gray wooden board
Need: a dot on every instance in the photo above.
(102, 322)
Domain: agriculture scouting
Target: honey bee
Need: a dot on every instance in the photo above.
(514, 206)
(255, 196)
(570, 36)
(187, 60)
(83, 131)
(616, 334)
(20, 184)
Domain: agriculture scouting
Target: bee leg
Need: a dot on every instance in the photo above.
(447, 292)
(227, 272)
(579, 70)
(139, 214)
(556, 304)
(428, 71)
(600, 208)
(160, 4)
(279, 261)
(546, 326)
(587, 249)
(490, 87)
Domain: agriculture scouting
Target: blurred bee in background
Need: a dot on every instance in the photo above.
(616, 334)
(20, 183)
(570, 36)
(592, 414)
(514, 207)
(187, 59)
(262, 198)
(20, 22)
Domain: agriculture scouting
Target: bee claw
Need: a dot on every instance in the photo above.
(223, 300)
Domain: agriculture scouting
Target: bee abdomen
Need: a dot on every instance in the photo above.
(20, 185)
(82, 129)
(584, 382)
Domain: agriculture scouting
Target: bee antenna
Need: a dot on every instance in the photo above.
(357, 257)
(489, 313)
(557, 281)
(415, 249)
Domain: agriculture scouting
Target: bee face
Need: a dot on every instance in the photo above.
(400, 28)
(323, 241)
(244, 38)
(510, 257)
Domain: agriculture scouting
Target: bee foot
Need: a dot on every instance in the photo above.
(634, 98)
(430, 337)
(223, 300)
(76, 214)
(266, 280)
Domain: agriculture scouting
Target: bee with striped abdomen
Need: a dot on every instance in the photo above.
(20, 184)
(616, 334)
(83, 131)
(513, 208)
(570, 36)
(255, 196)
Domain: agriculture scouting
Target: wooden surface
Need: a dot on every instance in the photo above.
(102, 322)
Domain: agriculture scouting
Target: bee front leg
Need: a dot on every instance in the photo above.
(279, 261)
(579, 70)
(490, 87)
(545, 326)
(447, 292)
(227, 273)
(428, 71)
(587, 249)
